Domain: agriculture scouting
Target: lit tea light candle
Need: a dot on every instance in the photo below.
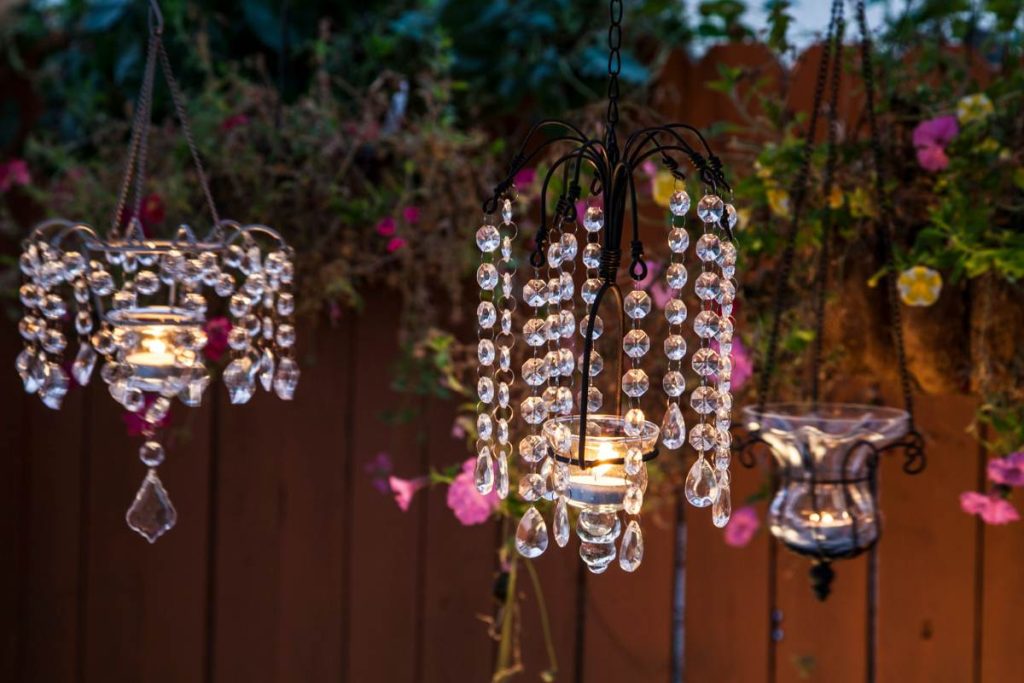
(602, 486)
(154, 350)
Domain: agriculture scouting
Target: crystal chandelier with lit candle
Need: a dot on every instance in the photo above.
(138, 305)
(580, 448)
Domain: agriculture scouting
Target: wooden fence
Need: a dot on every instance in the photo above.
(287, 565)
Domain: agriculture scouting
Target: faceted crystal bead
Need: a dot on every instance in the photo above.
(483, 471)
(53, 307)
(706, 362)
(81, 288)
(595, 399)
(560, 477)
(703, 437)
(501, 430)
(598, 327)
(101, 283)
(726, 293)
(151, 453)
(709, 247)
(83, 322)
(570, 246)
(553, 327)
(533, 448)
(534, 332)
(555, 256)
(679, 203)
(531, 487)
(285, 335)
(707, 324)
(633, 501)
(704, 400)
(485, 389)
(535, 293)
(566, 286)
(22, 364)
(707, 286)
(563, 401)
(487, 276)
(675, 346)
(635, 383)
(146, 282)
(701, 488)
(721, 509)
(53, 341)
(151, 513)
(54, 386)
(503, 394)
(592, 255)
(157, 410)
(534, 410)
(710, 208)
(484, 426)
(731, 216)
(238, 378)
(675, 312)
(631, 551)
(598, 527)
(676, 276)
(124, 299)
(560, 523)
(637, 304)
(678, 240)
(266, 369)
(673, 427)
(485, 351)
(588, 292)
(634, 460)
(29, 327)
(593, 219)
(727, 255)
(486, 314)
(597, 556)
(636, 343)
(566, 362)
(634, 421)
(488, 238)
(673, 383)
(532, 534)
(501, 476)
(31, 295)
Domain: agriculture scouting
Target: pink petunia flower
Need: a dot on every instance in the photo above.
(662, 294)
(217, 330)
(14, 172)
(405, 489)
(742, 364)
(1008, 471)
(932, 158)
(930, 140)
(458, 431)
(395, 243)
(653, 271)
(469, 506)
(990, 507)
(379, 468)
(386, 226)
(525, 177)
(649, 168)
(742, 526)
(411, 215)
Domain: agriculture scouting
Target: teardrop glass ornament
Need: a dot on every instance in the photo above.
(483, 472)
(721, 510)
(631, 551)
(151, 513)
(673, 427)
(701, 489)
(532, 534)
(501, 482)
(561, 522)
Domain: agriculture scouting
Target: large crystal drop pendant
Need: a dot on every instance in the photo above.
(561, 522)
(483, 473)
(673, 427)
(151, 513)
(722, 508)
(701, 489)
(631, 552)
(532, 534)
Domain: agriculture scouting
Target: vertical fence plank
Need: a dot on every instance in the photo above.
(928, 553)
(280, 526)
(145, 607)
(1002, 639)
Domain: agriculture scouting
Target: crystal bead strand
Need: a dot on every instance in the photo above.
(701, 486)
(593, 221)
(721, 510)
(286, 376)
(563, 322)
(85, 358)
(504, 375)
(673, 426)
(488, 240)
(39, 362)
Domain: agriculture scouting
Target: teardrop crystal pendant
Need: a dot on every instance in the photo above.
(631, 552)
(151, 513)
(701, 489)
(561, 522)
(483, 473)
(722, 508)
(501, 483)
(673, 427)
(532, 534)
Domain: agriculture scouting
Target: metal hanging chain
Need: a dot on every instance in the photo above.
(885, 233)
(798, 194)
(614, 67)
(821, 280)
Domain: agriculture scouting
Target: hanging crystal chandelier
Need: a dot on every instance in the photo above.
(826, 455)
(578, 451)
(140, 304)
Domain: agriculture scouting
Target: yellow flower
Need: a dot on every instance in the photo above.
(987, 146)
(743, 214)
(662, 187)
(762, 171)
(861, 204)
(919, 286)
(836, 198)
(974, 108)
(778, 201)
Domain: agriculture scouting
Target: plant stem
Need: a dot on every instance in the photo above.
(545, 623)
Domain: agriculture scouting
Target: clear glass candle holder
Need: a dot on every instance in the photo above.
(826, 504)
(158, 342)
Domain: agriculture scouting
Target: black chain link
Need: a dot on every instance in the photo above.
(884, 208)
(798, 194)
(614, 67)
